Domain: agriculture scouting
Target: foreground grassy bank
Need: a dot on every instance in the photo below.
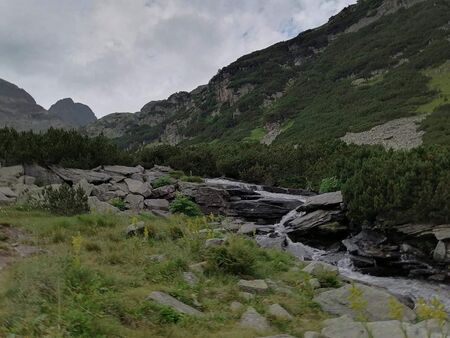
(92, 281)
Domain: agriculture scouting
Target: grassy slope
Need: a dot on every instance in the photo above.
(104, 296)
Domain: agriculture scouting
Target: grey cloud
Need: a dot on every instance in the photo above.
(116, 55)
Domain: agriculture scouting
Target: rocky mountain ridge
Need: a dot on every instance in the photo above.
(19, 110)
(283, 85)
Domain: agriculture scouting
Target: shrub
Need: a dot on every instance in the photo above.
(184, 205)
(119, 203)
(192, 179)
(329, 184)
(177, 174)
(65, 200)
(238, 257)
(161, 182)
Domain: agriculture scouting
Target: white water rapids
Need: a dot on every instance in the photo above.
(412, 288)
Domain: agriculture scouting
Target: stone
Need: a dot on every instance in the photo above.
(190, 278)
(167, 191)
(198, 267)
(279, 336)
(188, 188)
(137, 177)
(122, 170)
(269, 209)
(157, 258)
(247, 229)
(312, 334)
(157, 204)
(312, 220)
(315, 283)
(101, 191)
(167, 300)
(135, 202)
(322, 201)
(246, 295)
(97, 206)
(336, 302)
(251, 319)
(27, 180)
(135, 229)
(440, 252)
(75, 175)
(87, 187)
(138, 187)
(277, 311)
(279, 287)
(236, 306)
(214, 242)
(13, 171)
(271, 241)
(253, 286)
(6, 200)
(6, 191)
(442, 232)
(318, 268)
(345, 328)
(43, 176)
(386, 329)
(427, 328)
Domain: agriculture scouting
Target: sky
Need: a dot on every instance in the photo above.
(117, 55)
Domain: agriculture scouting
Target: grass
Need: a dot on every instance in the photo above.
(440, 82)
(100, 289)
(256, 135)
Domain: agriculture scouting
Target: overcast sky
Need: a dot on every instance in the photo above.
(117, 55)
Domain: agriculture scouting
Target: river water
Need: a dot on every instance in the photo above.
(411, 288)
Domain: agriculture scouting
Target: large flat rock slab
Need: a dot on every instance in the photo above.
(167, 300)
(322, 201)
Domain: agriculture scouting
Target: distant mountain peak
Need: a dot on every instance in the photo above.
(74, 113)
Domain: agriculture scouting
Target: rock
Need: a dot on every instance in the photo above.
(300, 250)
(270, 210)
(138, 187)
(279, 287)
(253, 286)
(279, 336)
(198, 267)
(441, 252)
(6, 200)
(276, 310)
(311, 334)
(236, 306)
(6, 191)
(271, 241)
(135, 229)
(167, 300)
(162, 168)
(211, 200)
(431, 328)
(87, 188)
(157, 258)
(135, 202)
(138, 177)
(318, 268)
(314, 282)
(43, 176)
(102, 191)
(76, 175)
(246, 295)
(251, 319)
(442, 232)
(167, 192)
(366, 243)
(95, 205)
(323, 201)
(214, 242)
(190, 278)
(122, 170)
(13, 171)
(386, 329)
(157, 204)
(247, 229)
(312, 220)
(27, 180)
(336, 302)
(344, 327)
(189, 189)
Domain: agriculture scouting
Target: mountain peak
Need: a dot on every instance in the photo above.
(74, 113)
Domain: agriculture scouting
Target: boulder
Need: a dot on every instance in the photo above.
(251, 319)
(317, 268)
(337, 302)
(323, 201)
(268, 209)
(95, 205)
(135, 202)
(102, 191)
(135, 229)
(76, 175)
(366, 243)
(167, 300)
(386, 329)
(214, 242)
(309, 221)
(442, 232)
(190, 278)
(43, 176)
(13, 171)
(6, 191)
(122, 170)
(167, 191)
(442, 252)
(189, 189)
(253, 286)
(27, 180)
(6, 200)
(138, 187)
(277, 311)
(157, 204)
(211, 200)
(87, 187)
(344, 327)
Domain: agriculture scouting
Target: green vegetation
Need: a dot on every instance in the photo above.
(440, 82)
(162, 182)
(329, 184)
(93, 282)
(184, 205)
(256, 135)
(437, 126)
(64, 200)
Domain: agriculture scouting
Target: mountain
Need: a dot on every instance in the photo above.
(377, 72)
(75, 114)
(19, 110)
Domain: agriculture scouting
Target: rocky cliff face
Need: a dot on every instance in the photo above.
(19, 110)
(74, 114)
